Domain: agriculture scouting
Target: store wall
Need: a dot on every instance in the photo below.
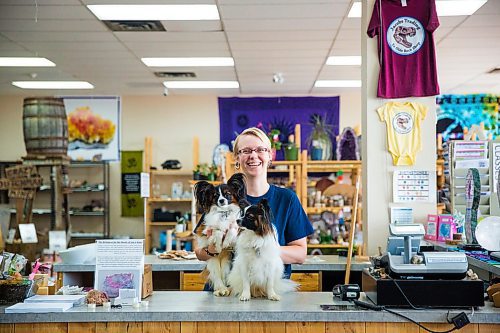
(171, 121)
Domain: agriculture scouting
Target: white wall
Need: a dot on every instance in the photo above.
(171, 121)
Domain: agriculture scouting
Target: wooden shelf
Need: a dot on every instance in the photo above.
(216, 182)
(151, 200)
(314, 210)
(171, 173)
(162, 223)
(326, 246)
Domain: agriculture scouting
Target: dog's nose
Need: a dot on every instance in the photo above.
(222, 202)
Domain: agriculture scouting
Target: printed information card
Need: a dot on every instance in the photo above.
(414, 186)
(119, 265)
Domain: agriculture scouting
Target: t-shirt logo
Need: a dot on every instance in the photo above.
(405, 35)
(402, 122)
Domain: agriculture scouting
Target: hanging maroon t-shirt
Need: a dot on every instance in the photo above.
(406, 47)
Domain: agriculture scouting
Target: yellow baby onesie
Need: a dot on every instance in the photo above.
(403, 129)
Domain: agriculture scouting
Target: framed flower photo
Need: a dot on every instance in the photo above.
(93, 127)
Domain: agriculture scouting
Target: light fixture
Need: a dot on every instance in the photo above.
(344, 61)
(25, 62)
(355, 10)
(201, 84)
(188, 62)
(458, 7)
(337, 84)
(443, 7)
(53, 84)
(278, 78)
(155, 12)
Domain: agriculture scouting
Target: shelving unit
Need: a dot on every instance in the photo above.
(454, 186)
(86, 226)
(352, 168)
(164, 179)
(55, 199)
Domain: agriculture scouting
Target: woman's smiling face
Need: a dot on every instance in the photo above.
(253, 155)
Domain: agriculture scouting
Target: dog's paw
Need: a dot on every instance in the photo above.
(245, 297)
(274, 297)
(222, 292)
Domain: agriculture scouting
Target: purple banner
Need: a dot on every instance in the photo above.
(237, 114)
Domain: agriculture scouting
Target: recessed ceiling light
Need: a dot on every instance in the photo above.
(53, 84)
(443, 7)
(188, 62)
(25, 62)
(155, 12)
(337, 84)
(355, 10)
(458, 7)
(344, 61)
(201, 84)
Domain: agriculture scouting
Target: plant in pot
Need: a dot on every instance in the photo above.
(274, 137)
(291, 149)
(201, 171)
(320, 137)
(212, 172)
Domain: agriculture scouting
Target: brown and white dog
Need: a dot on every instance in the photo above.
(257, 268)
(218, 226)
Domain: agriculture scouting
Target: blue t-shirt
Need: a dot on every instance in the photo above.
(288, 217)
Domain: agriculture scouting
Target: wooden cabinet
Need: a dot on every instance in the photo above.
(306, 281)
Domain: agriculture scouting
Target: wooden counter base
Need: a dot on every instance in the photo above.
(237, 327)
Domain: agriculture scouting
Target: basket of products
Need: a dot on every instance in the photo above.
(14, 288)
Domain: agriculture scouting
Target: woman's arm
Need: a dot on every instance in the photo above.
(294, 252)
(202, 254)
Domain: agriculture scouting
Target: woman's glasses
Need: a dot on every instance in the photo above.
(258, 150)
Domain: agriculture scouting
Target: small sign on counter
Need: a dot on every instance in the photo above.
(119, 265)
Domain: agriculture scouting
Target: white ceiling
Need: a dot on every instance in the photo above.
(293, 37)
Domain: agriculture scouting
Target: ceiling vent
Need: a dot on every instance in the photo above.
(175, 74)
(495, 71)
(135, 25)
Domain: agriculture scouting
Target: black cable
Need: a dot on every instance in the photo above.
(383, 308)
(419, 325)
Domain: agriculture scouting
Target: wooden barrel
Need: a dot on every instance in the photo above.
(45, 126)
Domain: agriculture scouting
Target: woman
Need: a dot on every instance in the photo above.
(252, 152)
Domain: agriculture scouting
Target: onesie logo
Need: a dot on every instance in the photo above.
(402, 122)
(405, 35)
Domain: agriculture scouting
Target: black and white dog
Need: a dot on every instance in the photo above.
(218, 226)
(257, 268)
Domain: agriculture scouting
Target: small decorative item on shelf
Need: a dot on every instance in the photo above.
(320, 137)
(347, 148)
(291, 149)
(316, 151)
(205, 172)
(274, 137)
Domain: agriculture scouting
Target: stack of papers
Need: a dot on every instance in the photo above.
(38, 307)
(73, 299)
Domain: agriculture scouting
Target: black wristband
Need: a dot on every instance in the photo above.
(210, 253)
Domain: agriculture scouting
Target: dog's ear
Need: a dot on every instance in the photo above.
(237, 185)
(204, 193)
(243, 203)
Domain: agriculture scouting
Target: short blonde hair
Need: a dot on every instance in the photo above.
(254, 131)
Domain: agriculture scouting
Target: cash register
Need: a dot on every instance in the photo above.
(408, 263)
(420, 279)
